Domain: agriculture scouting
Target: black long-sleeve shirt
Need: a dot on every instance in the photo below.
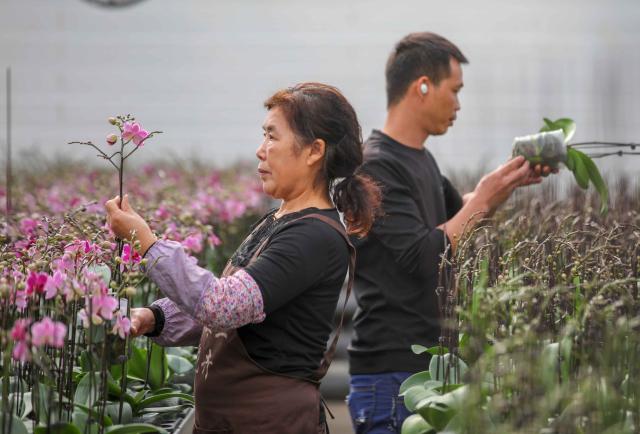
(398, 262)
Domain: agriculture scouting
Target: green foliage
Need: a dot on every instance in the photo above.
(547, 314)
(568, 127)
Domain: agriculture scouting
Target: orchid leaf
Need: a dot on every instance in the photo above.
(440, 364)
(17, 426)
(414, 380)
(571, 159)
(58, 428)
(415, 424)
(596, 179)
(568, 127)
(581, 173)
(416, 394)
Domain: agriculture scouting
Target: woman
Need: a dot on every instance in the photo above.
(263, 326)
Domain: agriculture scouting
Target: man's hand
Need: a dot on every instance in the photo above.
(496, 187)
(125, 222)
(545, 171)
(142, 321)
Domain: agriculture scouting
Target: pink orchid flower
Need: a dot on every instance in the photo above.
(28, 226)
(20, 334)
(102, 307)
(20, 330)
(133, 131)
(213, 240)
(21, 352)
(54, 285)
(129, 255)
(122, 326)
(20, 300)
(193, 242)
(48, 332)
(36, 283)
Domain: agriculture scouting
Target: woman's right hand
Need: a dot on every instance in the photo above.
(142, 321)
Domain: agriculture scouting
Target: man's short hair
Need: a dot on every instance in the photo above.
(419, 54)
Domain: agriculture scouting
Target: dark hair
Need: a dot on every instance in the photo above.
(319, 111)
(419, 54)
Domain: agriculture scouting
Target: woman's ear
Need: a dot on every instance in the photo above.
(316, 152)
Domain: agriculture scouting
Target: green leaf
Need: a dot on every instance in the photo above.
(106, 421)
(87, 392)
(435, 413)
(415, 424)
(113, 410)
(135, 428)
(439, 365)
(178, 364)
(17, 426)
(598, 182)
(581, 173)
(162, 396)
(137, 364)
(158, 368)
(80, 419)
(414, 380)
(571, 159)
(58, 428)
(43, 405)
(568, 127)
(416, 394)
(439, 409)
(419, 349)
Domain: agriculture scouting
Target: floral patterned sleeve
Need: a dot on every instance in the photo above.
(217, 303)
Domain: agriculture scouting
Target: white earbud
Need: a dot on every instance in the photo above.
(423, 88)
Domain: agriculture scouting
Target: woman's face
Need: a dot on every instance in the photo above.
(283, 168)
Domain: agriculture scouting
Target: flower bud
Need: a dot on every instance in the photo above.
(112, 139)
(130, 291)
(112, 120)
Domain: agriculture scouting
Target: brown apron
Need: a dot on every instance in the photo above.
(234, 394)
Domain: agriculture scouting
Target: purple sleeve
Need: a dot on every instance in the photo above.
(217, 303)
(179, 328)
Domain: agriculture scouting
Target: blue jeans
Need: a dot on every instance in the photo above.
(374, 404)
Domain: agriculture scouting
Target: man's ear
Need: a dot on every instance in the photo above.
(316, 152)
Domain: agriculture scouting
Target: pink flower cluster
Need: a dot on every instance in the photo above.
(133, 131)
(44, 332)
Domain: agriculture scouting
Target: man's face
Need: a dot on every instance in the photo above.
(441, 103)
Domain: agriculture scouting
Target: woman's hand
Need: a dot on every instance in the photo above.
(126, 223)
(142, 321)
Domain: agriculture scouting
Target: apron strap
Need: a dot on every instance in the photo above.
(328, 355)
(331, 349)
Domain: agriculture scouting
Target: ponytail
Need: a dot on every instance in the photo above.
(358, 197)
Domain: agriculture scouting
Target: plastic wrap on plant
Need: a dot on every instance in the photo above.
(546, 148)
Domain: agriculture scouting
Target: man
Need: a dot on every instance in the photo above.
(423, 215)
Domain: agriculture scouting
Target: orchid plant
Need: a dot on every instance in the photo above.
(551, 146)
(67, 361)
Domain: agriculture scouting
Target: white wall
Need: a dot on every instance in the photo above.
(200, 70)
